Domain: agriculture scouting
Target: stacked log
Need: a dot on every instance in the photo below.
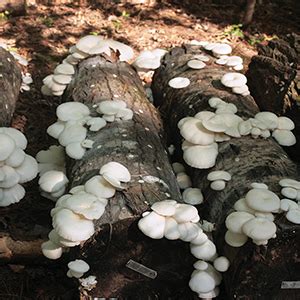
(256, 271)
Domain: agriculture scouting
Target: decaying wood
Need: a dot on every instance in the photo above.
(138, 145)
(15, 7)
(10, 83)
(256, 271)
(274, 81)
(249, 12)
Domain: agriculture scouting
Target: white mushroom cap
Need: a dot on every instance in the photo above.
(126, 52)
(233, 61)
(171, 231)
(52, 181)
(96, 123)
(72, 226)
(78, 266)
(185, 213)
(51, 250)
(16, 158)
(192, 196)
(200, 239)
(221, 49)
(218, 185)
(221, 264)
(288, 182)
(188, 231)
(285, 123)
(240, 90)
(115, 170)
(178, 167)
(259, 185)
(99, 187)
(11, 195)
(226, 108)
(194, 132)
(222, 60)
(65, 69)
(268, 216)
(28, 169)
(245, 127)
(217, 175)
(205, 251)
(72, 111)
(179, 82)
(287, 204)
(7, 146)
(293, 215)
(85, 204)
(182, 121)
(202, 282)
(269, 118)
(262, 200)
(125, 114)
(200, 265)
(183, 180)
(74, 133)
(260, 229)
(147, 60)
(88, 42)
(201, 157)
(111, 107)
(8, 177)
(165, 208)
(235, 239)
(209, 295)
(16, 135)
(239, 68)
(284, 137)
(233, 79)
(196, 64)
(201, 57)
(289, 192)
(60, 241)
(75, 150)
(215, 102)
(235, 221)
(56, 129)
(153, 225)
(62, 79)
(221, 137)
(204, 115)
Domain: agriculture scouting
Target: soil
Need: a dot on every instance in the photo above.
(44, 35)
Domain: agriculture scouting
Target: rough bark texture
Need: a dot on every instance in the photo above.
(138, 145)
(256, 271)
(15, 7)
(10, 82)
(274, 81)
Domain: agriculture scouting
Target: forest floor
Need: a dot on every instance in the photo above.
(44, 35)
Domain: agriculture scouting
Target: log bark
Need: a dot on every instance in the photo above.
(249, 12)
(256, 271)
(10, 83)
(137, 144)
(274, 81)
(14, 7)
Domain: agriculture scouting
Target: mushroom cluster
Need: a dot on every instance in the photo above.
(234, 62)
(16, 167)
(173, 221)
(290, 190)
(190, 195)
(116, 110)
(26, 81)
(88, 283)
(253, 217)
(237, 82)
(73, 214)
(202, 132)
(77, 268)
(218, 49)
(149, 60)
(51, 165)
(218, 179)
(56, 83)
(72, 117)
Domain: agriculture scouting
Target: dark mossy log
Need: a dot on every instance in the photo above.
(10, 83)
(13, 7)
(274, 81)
(138, 145)
(256, 271)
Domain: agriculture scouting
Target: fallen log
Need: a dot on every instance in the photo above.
(10, 83)
(256, 271)
(137, 144)
(274, 81)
